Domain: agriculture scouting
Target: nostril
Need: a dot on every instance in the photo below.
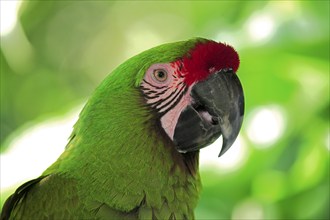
(214, 121)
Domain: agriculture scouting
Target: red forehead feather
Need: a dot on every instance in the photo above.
(209, 57)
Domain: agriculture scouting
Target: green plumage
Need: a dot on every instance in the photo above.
(118, 163)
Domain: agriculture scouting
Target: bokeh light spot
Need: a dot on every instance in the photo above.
(231, 160)
(248, 209)
(261, 27)
(8, 16)
(265, 125)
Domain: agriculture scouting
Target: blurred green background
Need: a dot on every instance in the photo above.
(54, 54)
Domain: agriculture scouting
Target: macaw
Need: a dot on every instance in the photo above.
(134, 151)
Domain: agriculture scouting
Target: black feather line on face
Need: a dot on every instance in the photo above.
(181, 94)
(157, 93)
(159, 102)
(156, 87)
(175, 96)
(150, 92)
(169, 96)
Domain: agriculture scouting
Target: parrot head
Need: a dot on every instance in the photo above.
(197, 97)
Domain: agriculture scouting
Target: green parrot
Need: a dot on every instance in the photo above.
(134, 152)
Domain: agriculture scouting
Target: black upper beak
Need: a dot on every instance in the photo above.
(218, 109)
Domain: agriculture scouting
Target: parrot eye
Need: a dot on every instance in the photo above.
(160, 75)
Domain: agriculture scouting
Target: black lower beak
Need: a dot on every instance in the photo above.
(218, 109)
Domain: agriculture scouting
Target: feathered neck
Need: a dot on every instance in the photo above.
(119, 154)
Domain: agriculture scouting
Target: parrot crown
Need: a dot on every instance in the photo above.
(208, 57)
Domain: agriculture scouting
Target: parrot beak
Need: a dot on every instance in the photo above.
(217, 109)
